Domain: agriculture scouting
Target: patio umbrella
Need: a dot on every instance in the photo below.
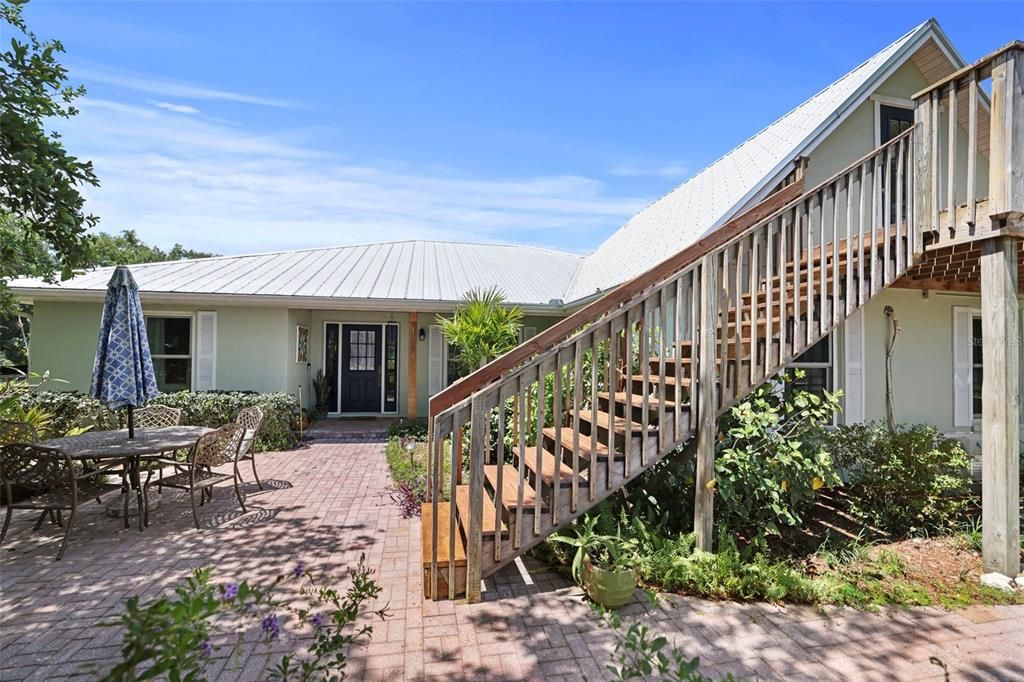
(122, 375)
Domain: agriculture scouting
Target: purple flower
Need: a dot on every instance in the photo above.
(271, 627)
(317, 621)
(206, 647)
(230, 591)
(297, 571)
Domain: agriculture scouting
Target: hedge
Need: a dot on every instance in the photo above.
(206, 408)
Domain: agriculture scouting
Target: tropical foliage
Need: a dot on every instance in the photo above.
(909, 481)
(482, 328)
(767, 467)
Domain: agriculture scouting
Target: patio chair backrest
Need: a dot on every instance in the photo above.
(250, 419)
(156, 417)
(12, 431)
(37, 468)
(217, 447)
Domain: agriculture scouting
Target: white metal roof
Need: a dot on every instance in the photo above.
(715, 194)
(444, 271)
(408, 271)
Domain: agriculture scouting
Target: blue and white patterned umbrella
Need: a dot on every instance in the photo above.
(122, 375)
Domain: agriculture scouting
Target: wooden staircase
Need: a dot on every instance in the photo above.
(531, 441)
(649, 367)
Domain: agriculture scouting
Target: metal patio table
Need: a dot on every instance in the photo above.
(108, 445)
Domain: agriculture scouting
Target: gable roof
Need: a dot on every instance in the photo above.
(717, 193)
(405, 271)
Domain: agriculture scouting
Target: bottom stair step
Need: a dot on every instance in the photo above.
(489, 517)
(510, 488)
(443, 551)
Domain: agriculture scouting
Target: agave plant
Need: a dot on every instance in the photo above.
(482, 328)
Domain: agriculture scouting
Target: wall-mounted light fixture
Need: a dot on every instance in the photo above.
(423, 334)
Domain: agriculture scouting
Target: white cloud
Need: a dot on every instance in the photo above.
(176, 108)
(158, 86)
(670, 169)
(220, 187)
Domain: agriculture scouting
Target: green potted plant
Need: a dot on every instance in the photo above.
(602, 564)
(321, 392)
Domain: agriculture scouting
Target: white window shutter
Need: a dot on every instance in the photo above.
(963, 409)
(853, 368)
(436, 373)
(206, 351)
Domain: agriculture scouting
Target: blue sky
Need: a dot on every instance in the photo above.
(239, 127)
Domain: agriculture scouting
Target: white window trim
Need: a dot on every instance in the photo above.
(383, 364)
(974, 313)
(191, 341)
(878, 101)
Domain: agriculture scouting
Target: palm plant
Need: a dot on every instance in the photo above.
(482, 328)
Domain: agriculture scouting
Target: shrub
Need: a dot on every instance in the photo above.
(216, 408)
(907, 482)
(71, 409)
(415, 429)
(767, 469)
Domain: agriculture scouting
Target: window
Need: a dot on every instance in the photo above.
(391, 368)
(363, 350)
(170, 344)
(894, 121)
(816, 363)
(977, 371)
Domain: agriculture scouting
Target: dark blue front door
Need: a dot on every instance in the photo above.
(361, 370)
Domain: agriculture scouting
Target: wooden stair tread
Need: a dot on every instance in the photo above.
(566, 436)
(443, 537)
(489, 517)
(605, 421)
(637, 400)
(510, 488)
(547, 464)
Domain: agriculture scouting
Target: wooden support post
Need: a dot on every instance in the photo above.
(480, 424)
(707, 436)
(411, 409)
(1006, 142)
(1000, 421)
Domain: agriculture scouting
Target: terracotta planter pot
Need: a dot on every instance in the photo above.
(610, 589)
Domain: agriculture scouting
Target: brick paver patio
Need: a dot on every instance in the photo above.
(327, 503)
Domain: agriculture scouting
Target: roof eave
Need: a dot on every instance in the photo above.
(33, 295)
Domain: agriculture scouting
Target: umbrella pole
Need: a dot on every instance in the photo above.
(131, 422)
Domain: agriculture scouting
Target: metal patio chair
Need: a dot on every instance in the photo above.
(54, 481)
(157, 416)
(250, 419)
(196, 474)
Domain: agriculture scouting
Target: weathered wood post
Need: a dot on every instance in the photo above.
(707, 435)
(1000, 314)
(924, 183)
(1000, 397)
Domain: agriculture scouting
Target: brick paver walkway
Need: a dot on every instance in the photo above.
(327, 503)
